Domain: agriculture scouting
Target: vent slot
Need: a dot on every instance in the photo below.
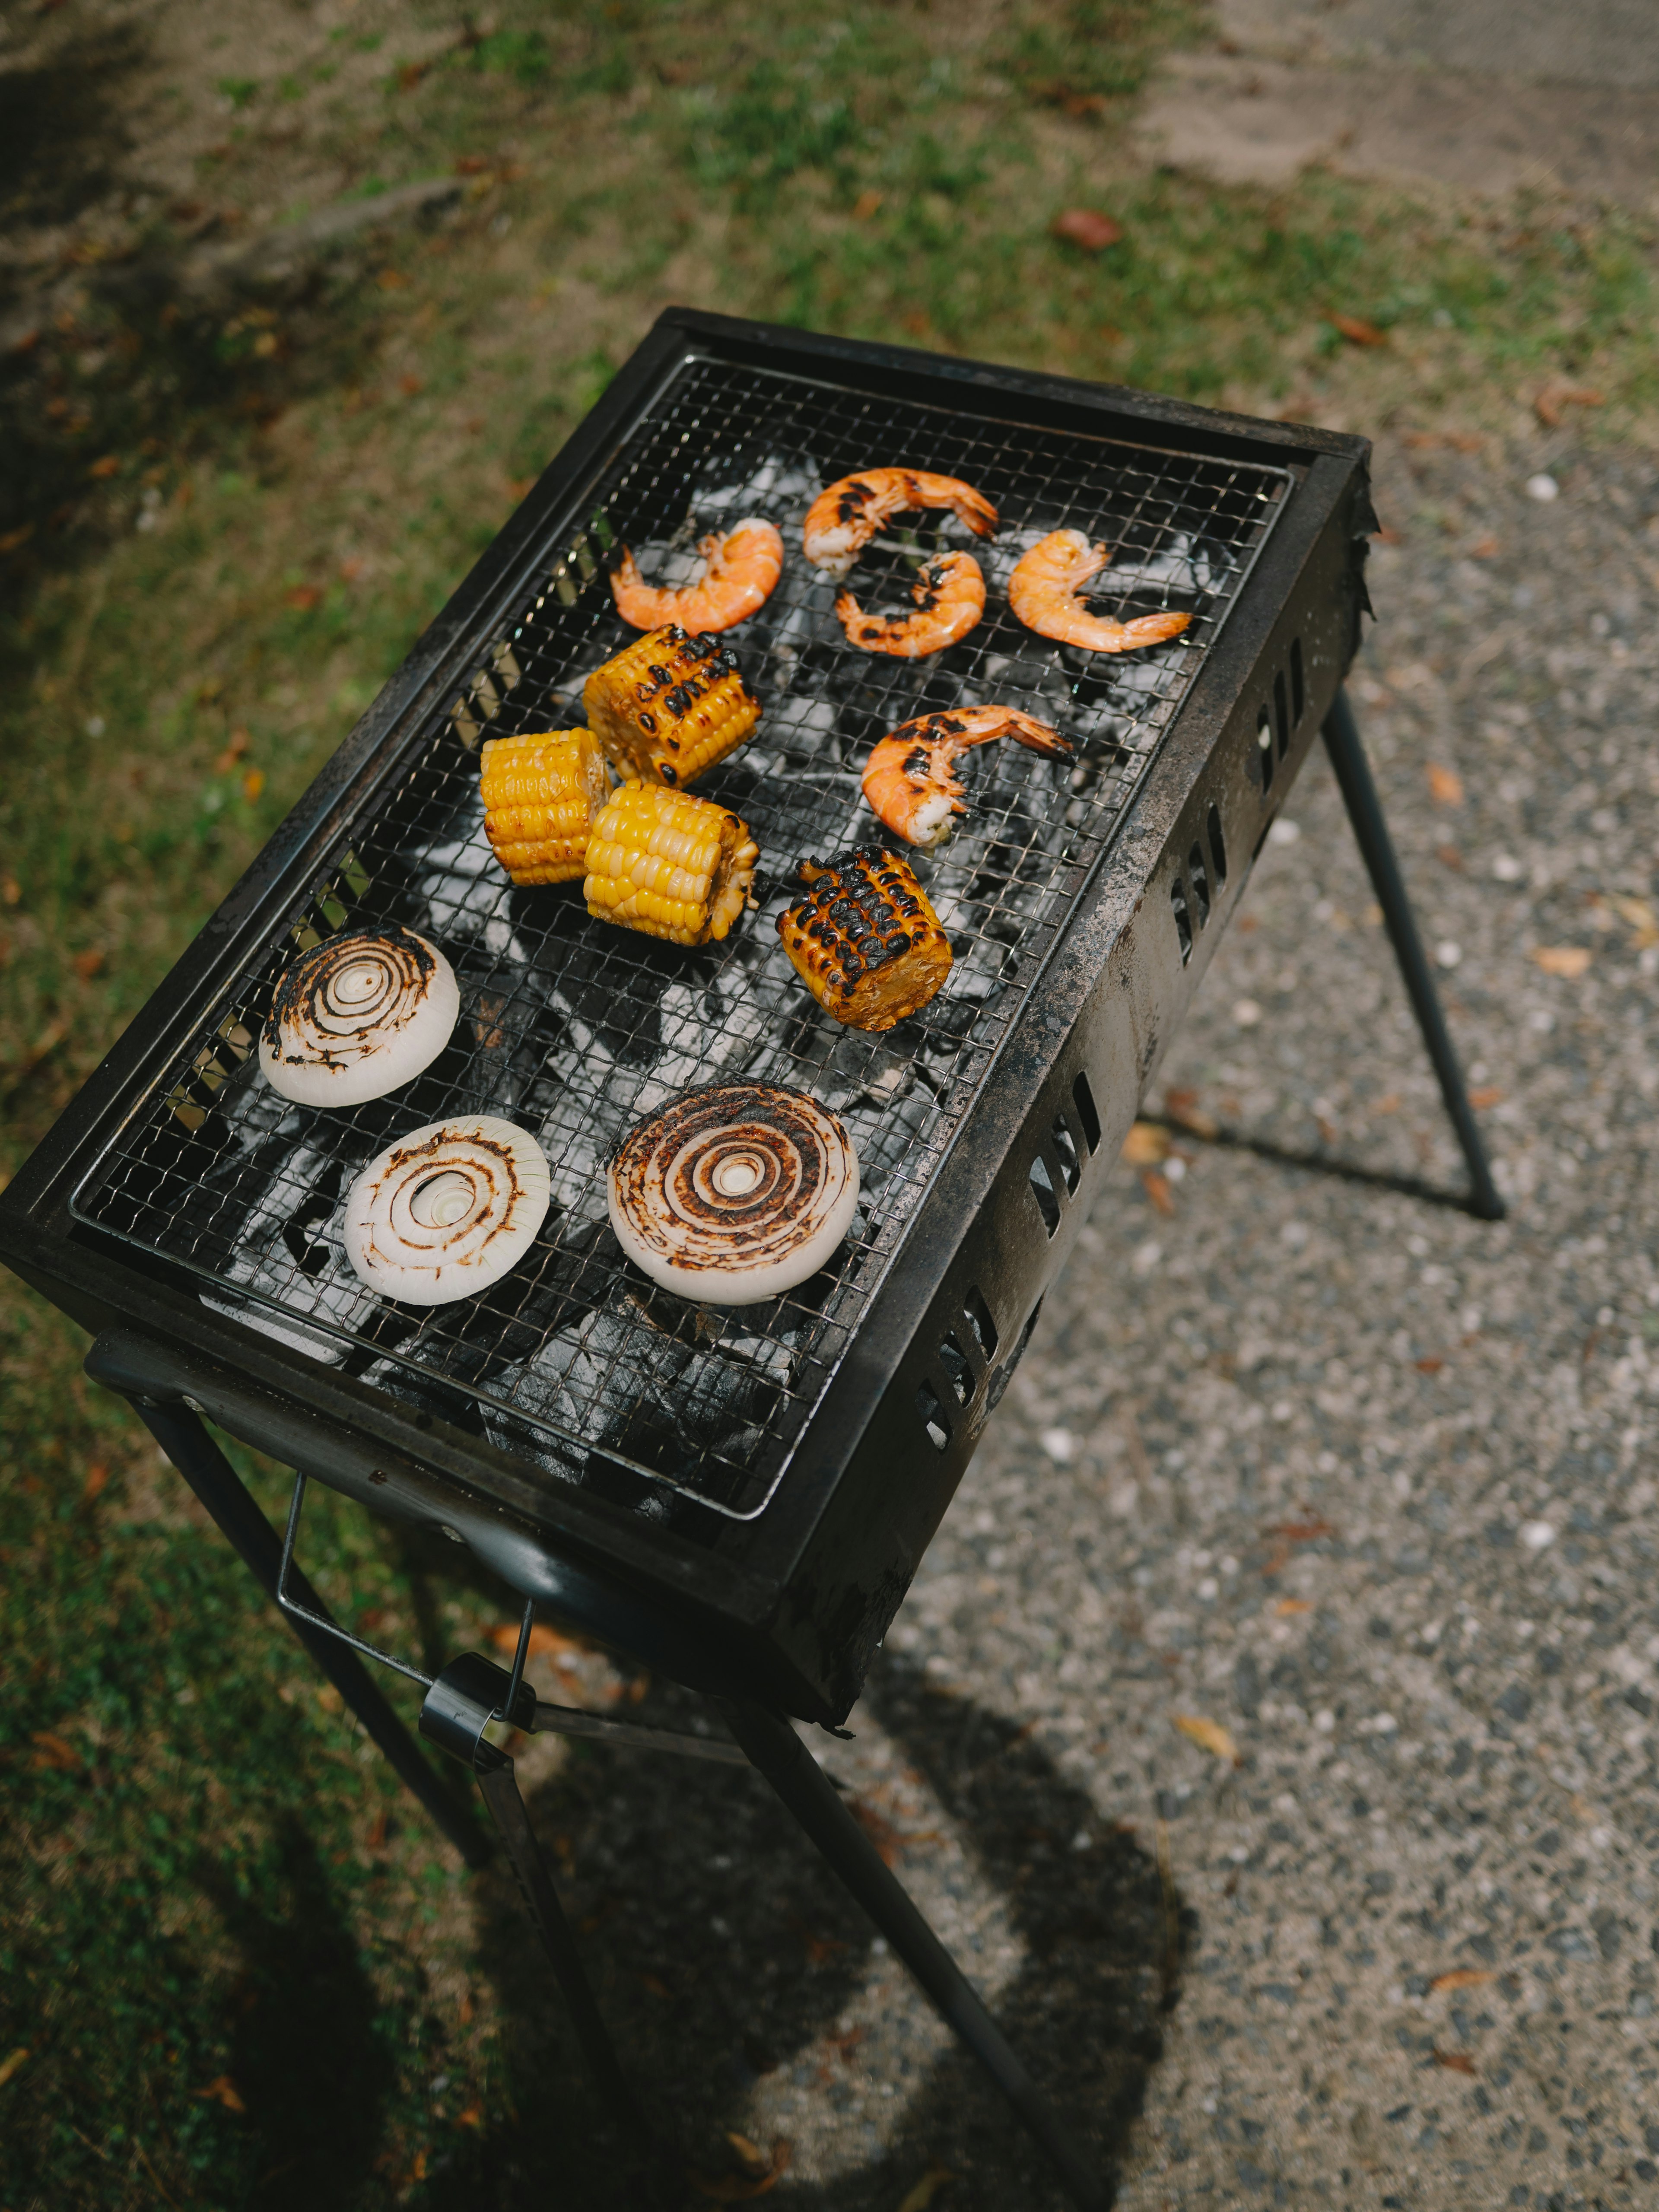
(953, 1363)
(933, 1416)
(1264, 739)
(1047, 1199)
(1004, 1374)
(1071, 1167)
(1088, 1118)
(1200, 884)
(1183, 918)
(1281, 714)
(980, 1318)
(1218, 848)
(1298, 689)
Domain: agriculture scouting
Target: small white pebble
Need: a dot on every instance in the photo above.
(1175, 1169)
(1325, 1720)
(1247, 1014)
(1448, 952)
(1147, 1256)
(1542, 487)
(1283, 1410)
(1239, 1853)
(1058, 1444)
(1507, 868)
(1209, 1588)
(95, 726)
(1081, 1841)
(1537, 1535)
(1284, 831)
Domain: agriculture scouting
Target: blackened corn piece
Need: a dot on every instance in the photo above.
(669, 706)
(865, 939)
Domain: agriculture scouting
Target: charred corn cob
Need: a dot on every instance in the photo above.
(668, 864)
(670, 706)
(541, 794)
(865, 939)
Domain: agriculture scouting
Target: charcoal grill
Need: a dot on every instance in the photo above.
(739, 1496)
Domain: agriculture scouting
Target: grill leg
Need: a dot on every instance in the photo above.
(181, 1436)
(1353, 775)
(779, 1753)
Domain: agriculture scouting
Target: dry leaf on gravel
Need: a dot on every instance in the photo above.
(919, 2198)
(50, 1750)
(1208, 1735)
(1445, 785)
(866, 206)
(1462, 1978)
(1568, 960)
(1146, 1146)
(1288, 1607)
(1639, 915)
(740, 2188)
(1487, 1095)
(1087, 227)
(1159, 1190)
(1356, 330)
(1558, 394)
(1182, 1108)
(87, 964)
(223, 2091)
(1459, 2062)
(97, 1476)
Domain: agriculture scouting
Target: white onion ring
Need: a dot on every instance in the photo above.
(448, 1210)
(357, 1016)
(734, 1193)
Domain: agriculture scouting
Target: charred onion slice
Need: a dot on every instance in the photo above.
(447, 1211)
(357, 1016)
(733, 1194)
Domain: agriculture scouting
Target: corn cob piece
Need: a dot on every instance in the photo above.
(865, 939)
(669, 706)
(541, 794)
(668, 864)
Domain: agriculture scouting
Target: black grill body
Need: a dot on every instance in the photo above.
(740, 1498)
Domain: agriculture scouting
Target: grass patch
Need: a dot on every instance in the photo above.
(319, 469)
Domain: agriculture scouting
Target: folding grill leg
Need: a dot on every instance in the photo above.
(779, 1754)
(181, 1436)
(1353, 775)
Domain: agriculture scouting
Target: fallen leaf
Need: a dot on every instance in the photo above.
(1462, 1978)
(1486, 549)
(471, 165)
(97, 1476)
(9, 2065)
(919, 2198)
(866, 205)
(377, 1827)
(1428, 1366)
(392, 280)
(1303, 1531)
(1445, 785)
(86, 964)
(223, 2091)
(472, 2118)
(1568, 960)
(738, 2188)
(408, 385)
(330, 1698)
(1449, 857)
(240, 742)
(1159, 1190)
(105, 467)
(1288, 1607)
(1639, 915)
(1390, 1102)
(10, 889)
(1384, 536)
(1557, 394)
(750, 2152)
(410, 75)
(1356, 330)
(417, 2172)
(1208, 1735)
(1087, 227)
(14, 538)
(50, 1750)
(1487, 1095)
(1181, 1107)
(1458, 2062)
(545, 1642)
(303, 595)
(1145, 1145)
(253, 784)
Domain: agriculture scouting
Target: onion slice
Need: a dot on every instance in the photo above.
(733, 1194)
(448, 1210)
(357, 1016)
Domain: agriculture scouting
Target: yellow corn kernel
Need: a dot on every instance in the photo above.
(865, 939)
(541, 794)
(669, 706)
(671, 864)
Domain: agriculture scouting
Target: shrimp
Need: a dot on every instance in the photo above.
(843, 518)
(740, 568)
(949, 596)
(910, 780)
(1045, 592)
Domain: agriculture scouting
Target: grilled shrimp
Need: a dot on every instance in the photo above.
(740, 568)
(1045, 588)
(949, 596)
(843, 518)
(910, 780)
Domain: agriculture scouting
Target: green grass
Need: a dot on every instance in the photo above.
(167, 692)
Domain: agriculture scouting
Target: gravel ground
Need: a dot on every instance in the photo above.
(1362, 1481)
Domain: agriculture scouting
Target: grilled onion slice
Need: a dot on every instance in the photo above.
(733, 1194)
(448, 1210)
(357, 1016)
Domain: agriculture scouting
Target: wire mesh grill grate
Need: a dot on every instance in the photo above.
(576, 1029)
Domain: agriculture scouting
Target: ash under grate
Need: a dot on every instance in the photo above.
(576, 1030)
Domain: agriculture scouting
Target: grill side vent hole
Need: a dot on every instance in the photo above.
(1048, 1202)
(980, 1319)
(1184, 920)
(1299, 688)
(933, 1417)
(1065, 1145)
(958, 1373)
(1200, 884)
(1004, 1374)
(1088, 1117)
(1264, 739)
(1281, 714)
(1218, 848)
